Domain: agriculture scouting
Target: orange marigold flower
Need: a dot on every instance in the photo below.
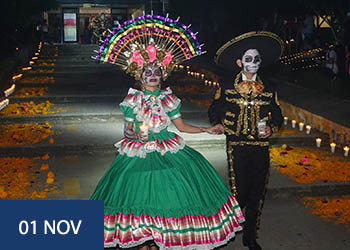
(45, 157)
(50, 174)
(44, 167)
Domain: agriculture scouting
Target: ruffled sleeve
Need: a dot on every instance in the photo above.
(171, 104)
(129, 103)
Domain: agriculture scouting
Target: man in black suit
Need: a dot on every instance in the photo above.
(246, 109)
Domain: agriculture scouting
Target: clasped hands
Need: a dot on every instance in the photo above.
(218, 129)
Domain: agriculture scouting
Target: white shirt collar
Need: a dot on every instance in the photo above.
(244, 78)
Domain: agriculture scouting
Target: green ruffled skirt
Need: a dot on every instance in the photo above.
(176, 199)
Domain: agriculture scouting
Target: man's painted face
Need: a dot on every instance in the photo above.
(151, 76)
(251, 61)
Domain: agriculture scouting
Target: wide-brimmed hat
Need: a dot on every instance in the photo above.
(269, 45)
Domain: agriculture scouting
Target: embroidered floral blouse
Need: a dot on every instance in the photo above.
(155, 109)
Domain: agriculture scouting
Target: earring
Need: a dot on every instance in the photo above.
(142, 87)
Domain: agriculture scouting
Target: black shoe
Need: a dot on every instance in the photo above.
(253, 245)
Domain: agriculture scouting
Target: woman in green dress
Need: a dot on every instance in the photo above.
(158, 189)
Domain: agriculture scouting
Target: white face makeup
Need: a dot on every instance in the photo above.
(151, 76)
(251, 61)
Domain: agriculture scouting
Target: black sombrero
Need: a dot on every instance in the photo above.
(269, 45)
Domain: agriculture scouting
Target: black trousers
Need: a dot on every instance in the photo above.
(249, 168)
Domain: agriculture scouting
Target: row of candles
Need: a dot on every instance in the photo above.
(318, 140)
(10, 90)
(198, 75)
(289, 58)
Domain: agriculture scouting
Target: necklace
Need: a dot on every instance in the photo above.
(153, 98)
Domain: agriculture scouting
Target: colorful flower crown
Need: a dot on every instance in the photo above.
(149, 40)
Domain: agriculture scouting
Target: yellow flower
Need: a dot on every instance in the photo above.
(50, 180)
(304, 165)
(336, 210)
(22, 179)
(3, 195)
(30, 108)
(23, 134)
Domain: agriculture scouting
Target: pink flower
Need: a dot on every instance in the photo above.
(152, 52)
(136, 57)
(304, 159)
(167, 58)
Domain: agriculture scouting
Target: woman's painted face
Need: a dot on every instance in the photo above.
(151, 76)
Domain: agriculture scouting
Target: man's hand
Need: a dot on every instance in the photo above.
(218, 129)
(266, 132)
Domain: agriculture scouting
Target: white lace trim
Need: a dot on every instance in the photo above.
(134, 148)
(129, 119)
(161, 247)
(155, 116)
(175, 116)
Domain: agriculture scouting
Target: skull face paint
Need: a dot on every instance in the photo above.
(151, 76)
(251, 61)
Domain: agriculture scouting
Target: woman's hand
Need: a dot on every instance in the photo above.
(218, 129)
(142, 137)
(129, 132)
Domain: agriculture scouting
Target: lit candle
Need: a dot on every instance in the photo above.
(187, 67)
(346, 151)
(144, 130)
(10, 90)
(206, 82)
(308, 129)
(4, 103)
(333, 147)
(202, 76)
(285, 120)
(301, 126)
(294, 122)
(188, 72)
(318, 142)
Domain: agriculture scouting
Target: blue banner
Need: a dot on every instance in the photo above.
(51, 224)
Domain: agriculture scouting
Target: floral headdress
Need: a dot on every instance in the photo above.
(149, 40)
